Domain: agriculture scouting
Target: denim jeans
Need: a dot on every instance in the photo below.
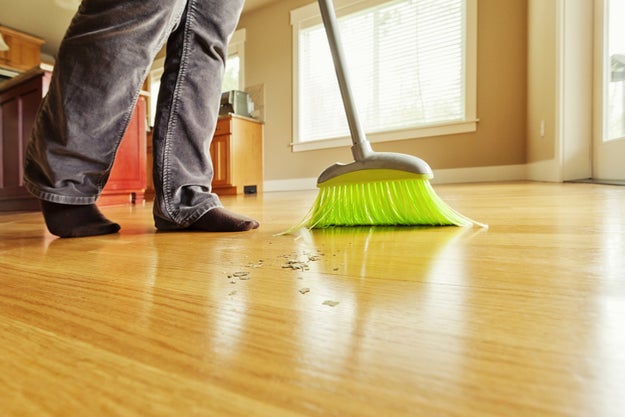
(102, 62)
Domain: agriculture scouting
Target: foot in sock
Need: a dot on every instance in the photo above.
(220, 219)
(68, 220)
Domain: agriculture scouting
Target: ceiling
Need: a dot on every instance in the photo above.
(48, 19)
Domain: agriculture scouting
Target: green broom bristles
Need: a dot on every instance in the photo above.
(380, 197)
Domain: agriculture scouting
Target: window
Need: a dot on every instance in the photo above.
(614, 88)
(231, 77)
(153, 86)
(411, 64)
(234, 75)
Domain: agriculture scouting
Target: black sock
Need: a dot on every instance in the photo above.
(220, 219)
(68, 220)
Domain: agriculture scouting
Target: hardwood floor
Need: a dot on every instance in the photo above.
(526, 318)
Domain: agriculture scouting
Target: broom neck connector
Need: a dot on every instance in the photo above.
(361, 151)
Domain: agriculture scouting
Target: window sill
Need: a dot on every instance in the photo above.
(464, 126)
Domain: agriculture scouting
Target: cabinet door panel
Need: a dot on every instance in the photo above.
(127, 181)
(17, 115)
(18, 107)
(10, 143)
(220, 154)
(128, 171)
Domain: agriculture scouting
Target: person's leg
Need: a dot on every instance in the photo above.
(101, 65)
(187, 111)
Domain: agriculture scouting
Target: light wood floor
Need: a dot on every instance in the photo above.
(526, 318)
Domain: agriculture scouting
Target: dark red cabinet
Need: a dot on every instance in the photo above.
(19, 101)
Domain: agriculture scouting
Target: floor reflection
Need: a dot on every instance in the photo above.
(391, 284)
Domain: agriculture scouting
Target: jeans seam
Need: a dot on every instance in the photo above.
(57, 198)
(171, 124)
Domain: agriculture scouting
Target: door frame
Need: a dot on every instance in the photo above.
(607, 161)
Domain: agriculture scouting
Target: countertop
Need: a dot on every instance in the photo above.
(23, 77)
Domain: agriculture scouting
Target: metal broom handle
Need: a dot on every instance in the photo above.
(361, 147)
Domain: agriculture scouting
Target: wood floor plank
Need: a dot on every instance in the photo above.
(524, 318)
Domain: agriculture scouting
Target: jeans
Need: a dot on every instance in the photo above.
(102, 62)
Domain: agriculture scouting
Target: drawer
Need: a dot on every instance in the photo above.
(223, 127)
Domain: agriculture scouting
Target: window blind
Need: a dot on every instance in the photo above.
(406, 63)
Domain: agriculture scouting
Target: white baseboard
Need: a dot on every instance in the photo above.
(480, 174)
(442, 176)
(295, 184)
(548, 170)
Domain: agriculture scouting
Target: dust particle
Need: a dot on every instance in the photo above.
(242, 275)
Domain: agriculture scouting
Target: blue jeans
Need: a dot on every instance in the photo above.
(102, 62)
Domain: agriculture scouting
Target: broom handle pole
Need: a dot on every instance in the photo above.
(361, 147)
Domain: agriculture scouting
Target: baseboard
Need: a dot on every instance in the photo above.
(295, 184)
(548, 170)
(480, 174)
(442, 176)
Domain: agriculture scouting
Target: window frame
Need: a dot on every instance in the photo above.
(309, 15)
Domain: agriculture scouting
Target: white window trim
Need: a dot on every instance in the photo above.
(309, 15)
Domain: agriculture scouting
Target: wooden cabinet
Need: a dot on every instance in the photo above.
(237, 154)
(20, 98)
(19, 102)
(127, 182)
(24, 50)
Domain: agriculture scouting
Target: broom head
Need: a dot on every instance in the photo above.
(380, 197)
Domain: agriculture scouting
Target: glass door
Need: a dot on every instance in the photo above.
(609, 131)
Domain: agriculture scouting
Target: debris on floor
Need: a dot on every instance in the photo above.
(296, 265)
(242, 275)
(300, 262)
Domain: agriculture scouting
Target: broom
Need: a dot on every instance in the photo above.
(377, 188)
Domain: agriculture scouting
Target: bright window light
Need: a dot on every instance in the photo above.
(407, 63)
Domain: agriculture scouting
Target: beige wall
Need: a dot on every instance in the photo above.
(501, 102)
